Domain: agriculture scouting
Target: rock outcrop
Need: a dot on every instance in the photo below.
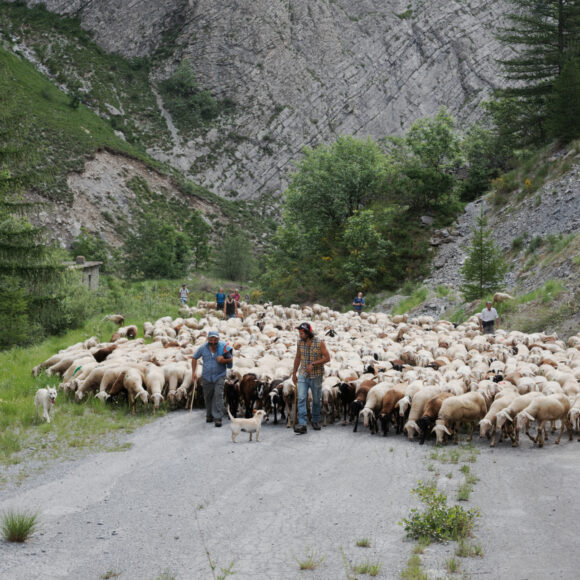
(304, 71)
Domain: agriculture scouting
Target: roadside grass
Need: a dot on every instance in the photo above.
(466, 550)
(367, 567)
(363, 543)
(18, 526)
(311, 561)
(414, 571)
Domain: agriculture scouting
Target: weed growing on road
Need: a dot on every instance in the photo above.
(463, 492)
(423, 542)
(225, 572)
(363, 543)
(413, 571)
(452, 566)
(18, 527)
(438, 521)
(109, 574)
(467, 550)
(165, 576)
(312, 560)
(346, 565)
(368, 568)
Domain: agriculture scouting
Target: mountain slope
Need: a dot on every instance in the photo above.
(302, 72)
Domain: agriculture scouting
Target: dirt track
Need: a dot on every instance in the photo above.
(184, 494)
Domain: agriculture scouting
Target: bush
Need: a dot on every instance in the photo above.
(438, 522)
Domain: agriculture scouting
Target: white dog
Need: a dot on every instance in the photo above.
(45, 399)
(250, 426)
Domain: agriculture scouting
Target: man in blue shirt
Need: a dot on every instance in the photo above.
(358, 303)
(220, 299)
(215, 357)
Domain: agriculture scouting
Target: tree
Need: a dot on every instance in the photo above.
(157, 250)
(38, 295)
(544, 34)
(197, 230)
(485, 267)
(368, 251)
(330, 184)
(564, 104)
(234, 256)
(424, 160)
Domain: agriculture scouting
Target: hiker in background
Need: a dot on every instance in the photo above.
(220, 299)
(488, 319)
(358, 303)
(183, 295)
(230, 308)
(236, 296)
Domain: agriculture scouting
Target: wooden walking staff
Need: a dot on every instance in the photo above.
(192, 398)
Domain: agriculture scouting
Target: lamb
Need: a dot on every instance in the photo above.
(469, 408)
(550, 408)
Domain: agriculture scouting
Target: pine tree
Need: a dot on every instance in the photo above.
(36, 290)
(485, 267)
(544, 34)
(564, 104)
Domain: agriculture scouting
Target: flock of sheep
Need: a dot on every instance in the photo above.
(417, 375)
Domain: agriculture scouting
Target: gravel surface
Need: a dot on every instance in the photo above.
(184, 495)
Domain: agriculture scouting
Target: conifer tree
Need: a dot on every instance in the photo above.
(564, 104)
(544, 34)
(35, 288)
(485, 267)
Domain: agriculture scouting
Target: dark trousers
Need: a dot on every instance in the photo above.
(213, 395)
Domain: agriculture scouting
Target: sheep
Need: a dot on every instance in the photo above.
(360, 398)
(118, 319)
(417, 406)
(469, 408)
(430, 414)
(550, 408)
(488, 425)
(506, 415)
(347, 393)
(154, 381)
(574, 415)
(388, 410)
(502, 297)
(289, 394)
(373, 404)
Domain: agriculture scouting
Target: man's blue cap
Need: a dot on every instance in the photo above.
(213, 333)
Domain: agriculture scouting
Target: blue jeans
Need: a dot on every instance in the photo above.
(315, 385)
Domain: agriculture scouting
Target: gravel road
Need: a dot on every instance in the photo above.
(184, 498)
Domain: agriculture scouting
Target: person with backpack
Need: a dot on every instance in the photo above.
(217, 357)
(220, 299)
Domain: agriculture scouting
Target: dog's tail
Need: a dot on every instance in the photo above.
(231, 416)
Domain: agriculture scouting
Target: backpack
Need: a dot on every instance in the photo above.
(224, 347)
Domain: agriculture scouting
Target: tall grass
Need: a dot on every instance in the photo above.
(18, 526)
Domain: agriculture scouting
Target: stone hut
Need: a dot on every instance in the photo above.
(90, 271)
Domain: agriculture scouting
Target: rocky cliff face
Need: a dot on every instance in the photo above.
(303, 71)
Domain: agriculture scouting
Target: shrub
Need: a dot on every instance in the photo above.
(438, 521)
